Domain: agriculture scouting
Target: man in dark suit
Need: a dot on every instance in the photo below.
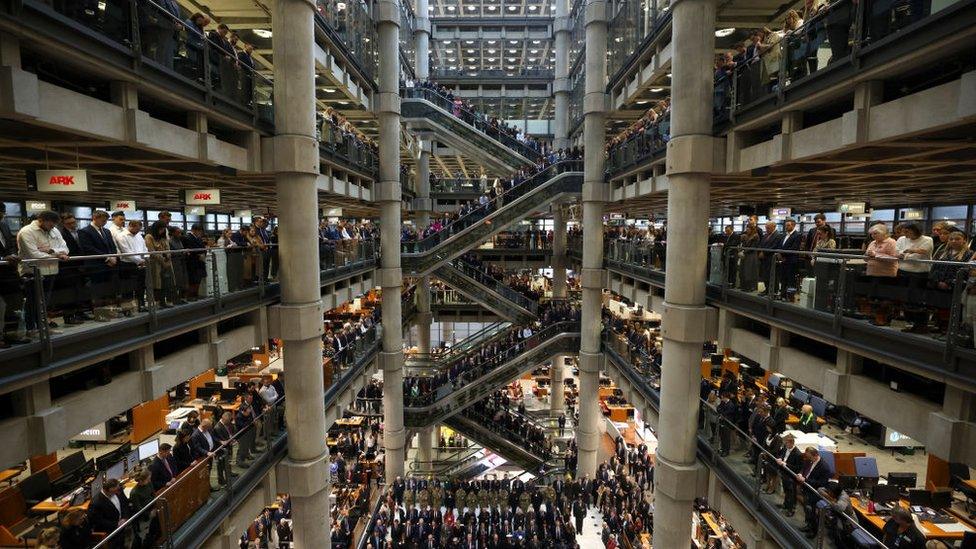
(579, 513)
(70, 284)
(789, 261)
(224, 432)
(791, 460)
(109, 508)
(162, 467)
(202, 441)
(816, 473)
(97, 239)
(728, 412)
(11, 295)
(770, 241)
(810, 242)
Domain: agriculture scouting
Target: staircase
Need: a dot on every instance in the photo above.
(427, 111)
(481, 288)
(420, 258)
(559, 338)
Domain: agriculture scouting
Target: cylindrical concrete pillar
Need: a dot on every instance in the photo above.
(560, 87)
(422, 209)
(594, 196)
(421, 37)
(557, 401)
(425, 448)
(305, 471)
(684, 298)
(387, 17)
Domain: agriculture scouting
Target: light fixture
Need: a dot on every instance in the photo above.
(470, 51)
(722, 33)
(642, 102)
(491, 50)
(512, 8)
(513, 50)
(491, 8)
(533, 51)
(262, 33)
(446, 42)
(491, 42)
(533, 8)
(537, 42)
(656, 90)
(513, 41)
(669, 75)
(452, 59)
(450, 8)
(329, 90)
(469, 42)
(471, 8)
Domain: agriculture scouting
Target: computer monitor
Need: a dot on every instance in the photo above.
(903, 480)
(819, 405)
(104, 462)
(214, 385)
(116, 471)
(148, 449)
(228, 395)
(96, 485)
(847, 482)
(206, 393)
(132, 461)
(867, 483)
(942, 499)
(885, 493)
(920, 497)
(36, 487)
(72, 462)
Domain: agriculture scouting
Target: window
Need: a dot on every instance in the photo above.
(15, 216)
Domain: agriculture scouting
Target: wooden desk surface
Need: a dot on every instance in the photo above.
(793, 419)
(8, 475)
(931, 530)
(970, 483)
(354, 421)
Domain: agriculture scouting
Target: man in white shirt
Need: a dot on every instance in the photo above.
(118, 224)
(40, 240)
(913, 245)
(131, 274)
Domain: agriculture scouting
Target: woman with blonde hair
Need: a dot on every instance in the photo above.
(881, 271)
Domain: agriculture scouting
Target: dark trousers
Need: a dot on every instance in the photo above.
(223, 463)
(787, 277)
(724, 437)
(789, 489)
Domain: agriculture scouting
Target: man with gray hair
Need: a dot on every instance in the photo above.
(791, 460)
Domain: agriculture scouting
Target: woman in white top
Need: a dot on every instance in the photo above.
(225, 240)
(913, 245)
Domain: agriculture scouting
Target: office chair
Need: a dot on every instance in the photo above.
(959, 472)
(861, 538)
(866, 467)
(853, 421)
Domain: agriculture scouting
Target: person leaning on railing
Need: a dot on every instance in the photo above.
(881, 272)
(40, 240)
(944, 276)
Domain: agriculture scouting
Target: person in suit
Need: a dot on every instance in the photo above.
(810, 242)
(70, 283)
(202, 441)
(224, 433)
(108, 510)
(11, 292)
(770, 241)
(791, 460)
(788, 261)
(727, 411)
(163, 467)
(157, 28)
(182, 454)
(579, 513)
(97, 239)
(196, 266)
(817, 474)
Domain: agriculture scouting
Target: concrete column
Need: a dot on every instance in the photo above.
(421, 37)
(422, 208)
(560, 84)
(689, 163)
(298, 319)
(425, 447)
(557, 401)
(595, 194)
(387, 17)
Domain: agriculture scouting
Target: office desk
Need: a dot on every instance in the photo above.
(930, 530)
(8, 475)
(354, 421)
(620, 413)
(793, 419)
(49, 506)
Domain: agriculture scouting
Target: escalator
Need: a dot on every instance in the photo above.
(427, 111)
(511, 449)
(559, 338)
(459, 350)
(457, 463)
(477, 285)
(557, 181)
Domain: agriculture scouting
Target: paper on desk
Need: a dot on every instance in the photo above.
(956, 527)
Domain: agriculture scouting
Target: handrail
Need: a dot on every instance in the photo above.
(427, 243)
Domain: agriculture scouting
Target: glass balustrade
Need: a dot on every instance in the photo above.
(462, 121)
(350, 25)
(347, 148)
(542, 186)
(63, 298)
(166, 39)
(649, 142)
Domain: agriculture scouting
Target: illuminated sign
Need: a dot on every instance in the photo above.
(196, 197)
(893, 438)
(195, 210)
(853, 208)
(331, 212)
(780, 212)
(61, 181)
(912, 214)
(36, 206)
(96, 433)
(122, 206)
(242, 213)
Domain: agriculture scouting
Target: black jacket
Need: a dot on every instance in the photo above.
(160, 475)
(102, 514)
(93, 243)
(793, 459)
